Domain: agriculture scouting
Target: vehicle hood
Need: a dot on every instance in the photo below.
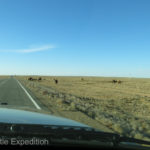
(26, 117)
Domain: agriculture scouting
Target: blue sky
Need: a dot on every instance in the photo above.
(75, 37)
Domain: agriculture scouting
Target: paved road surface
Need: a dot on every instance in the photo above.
(13, 93)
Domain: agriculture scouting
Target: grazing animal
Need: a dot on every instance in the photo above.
(114, 81)
(119, 81)
(56, 81)
(39, 79)
(30, 78)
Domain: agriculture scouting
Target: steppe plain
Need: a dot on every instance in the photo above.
(122, 108)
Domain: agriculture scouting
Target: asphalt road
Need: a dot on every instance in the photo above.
(12, 93)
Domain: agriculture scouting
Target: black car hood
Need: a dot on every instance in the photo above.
(26, 117)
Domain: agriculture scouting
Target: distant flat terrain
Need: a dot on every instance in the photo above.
(99, 87)
(119, 105)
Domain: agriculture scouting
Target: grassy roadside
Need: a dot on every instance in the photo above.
(120, 108)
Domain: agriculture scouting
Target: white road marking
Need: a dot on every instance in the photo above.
(33, 101)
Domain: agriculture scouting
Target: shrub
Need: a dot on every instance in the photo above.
(118, 128)
(138, 136)
(45, 93)
(73, 106)
(91, 114)
(60, 101)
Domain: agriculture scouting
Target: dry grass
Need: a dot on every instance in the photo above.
(123, 108)
(4, 77)
(101, 88)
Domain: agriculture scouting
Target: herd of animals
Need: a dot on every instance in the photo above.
(56, 80)
(40, 79)
(117, 81)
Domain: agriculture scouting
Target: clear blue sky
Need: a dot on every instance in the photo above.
(75, 37)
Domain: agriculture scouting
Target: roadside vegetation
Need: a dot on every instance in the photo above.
(122, 107)
(4, 77)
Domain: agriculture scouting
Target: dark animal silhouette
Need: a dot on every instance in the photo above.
(114, 81)
(117, 81)
(30, 78)
(56, 81)
(39, 79)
